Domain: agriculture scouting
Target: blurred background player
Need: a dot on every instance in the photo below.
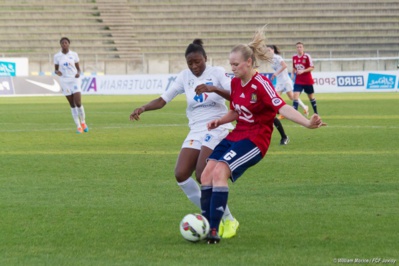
(254, 104)
(302, 66)
(205, 88)
(284, 82)
(66, 63)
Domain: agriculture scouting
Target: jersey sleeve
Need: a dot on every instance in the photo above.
(56, 62)
(76, 58)
(310, 61)
(270, 96)
(223, 78)
(176, 89)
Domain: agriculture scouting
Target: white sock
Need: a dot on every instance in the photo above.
(82, 115)
(227, 214)
(192, 191)
(301, 104)
(75, 116)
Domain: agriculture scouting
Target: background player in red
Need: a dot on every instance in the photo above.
(254, 104)
(302, 66)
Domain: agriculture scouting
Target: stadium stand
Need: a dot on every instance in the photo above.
(128, 36)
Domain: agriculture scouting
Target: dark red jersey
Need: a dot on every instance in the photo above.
(257, 104)
(301, 63)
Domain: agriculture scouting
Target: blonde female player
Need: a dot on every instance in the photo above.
(66, 63)
(284, 82)
(206, 89)
(254, 104)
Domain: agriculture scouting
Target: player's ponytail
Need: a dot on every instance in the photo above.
(256, 49)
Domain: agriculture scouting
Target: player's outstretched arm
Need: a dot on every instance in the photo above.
(153, 105)
(295, 116)
(227, 118)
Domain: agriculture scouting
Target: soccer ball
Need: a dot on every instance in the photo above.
(194, 227)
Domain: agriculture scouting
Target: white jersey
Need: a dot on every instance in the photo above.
(66, 63)
(276, 65)
(206, 107)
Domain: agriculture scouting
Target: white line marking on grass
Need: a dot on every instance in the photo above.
(92, 128)
(97, 152)
(137, 125)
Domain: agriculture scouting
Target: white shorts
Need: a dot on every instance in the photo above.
(284, 86)
(70, 86)
(195, 140)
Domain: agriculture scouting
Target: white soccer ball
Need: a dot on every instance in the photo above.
(194, 227)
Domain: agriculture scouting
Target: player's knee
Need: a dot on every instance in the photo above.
(220, 173)
(181, 176)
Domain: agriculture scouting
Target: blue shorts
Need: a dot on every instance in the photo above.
(307, 88)
(239, 156)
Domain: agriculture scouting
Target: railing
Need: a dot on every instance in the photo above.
(140, 64)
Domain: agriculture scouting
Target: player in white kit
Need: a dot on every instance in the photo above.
(66, 63)
(205, 88)
(284, 82)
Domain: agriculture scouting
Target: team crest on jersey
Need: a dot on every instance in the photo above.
(191, 83)
(276, 101)
(254, 98)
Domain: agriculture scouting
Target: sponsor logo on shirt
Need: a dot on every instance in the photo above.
(201, 98)
(276, 101)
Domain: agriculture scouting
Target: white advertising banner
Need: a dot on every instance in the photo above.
(126, 84)
(372, 81)
(324, 82)
(14, 67)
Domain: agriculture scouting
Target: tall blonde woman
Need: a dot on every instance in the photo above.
(253, 105)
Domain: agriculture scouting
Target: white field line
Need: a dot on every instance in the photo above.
(175, 152)
(3, 127)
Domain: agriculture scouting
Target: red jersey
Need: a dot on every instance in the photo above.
(301, 63)
(257, 104)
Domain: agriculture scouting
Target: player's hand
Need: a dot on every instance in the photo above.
(58, 73)
(316, 122)
(135, 115)
(202, 88)
(272, 77)
(300, 72)
(213, 124)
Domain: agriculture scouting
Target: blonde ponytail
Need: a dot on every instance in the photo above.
(256, 49)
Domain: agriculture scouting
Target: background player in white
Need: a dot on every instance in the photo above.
(66, 63)
(284, 82)
(206, 89)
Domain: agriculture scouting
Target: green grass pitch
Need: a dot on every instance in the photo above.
(109, 197)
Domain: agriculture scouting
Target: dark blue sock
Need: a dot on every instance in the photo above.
(218, 205)
(314, 105)
(295, 104)
(206, 195)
